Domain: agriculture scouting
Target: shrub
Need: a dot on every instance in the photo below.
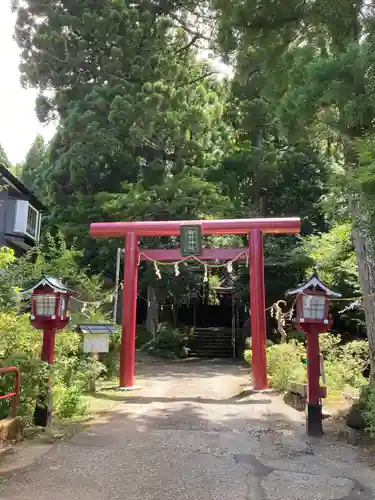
(344, 363)
(6, 290)
(169, 343)
(111, 359)
(32, 372)
(143, 337)
(285, 364)
(73, 371)
(367, 408)
(248, 342)
(296, 335)
(248, 356)
(68, 402)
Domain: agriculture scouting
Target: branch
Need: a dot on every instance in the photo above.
(188, 45)
(197, 34)
(202, 77)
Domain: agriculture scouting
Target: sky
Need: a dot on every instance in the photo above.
(18, 122)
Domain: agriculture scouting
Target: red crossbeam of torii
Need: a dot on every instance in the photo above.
(255, 228)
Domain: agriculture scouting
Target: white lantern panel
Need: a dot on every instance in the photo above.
(96, 342)
(314, 307)
(45, 305)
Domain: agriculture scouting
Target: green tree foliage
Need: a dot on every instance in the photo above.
(314, 64)
(333, 257)
(4, 161)
(141, 118)
(6, 293)
(34, 166)
(4, 158)
(54, 258)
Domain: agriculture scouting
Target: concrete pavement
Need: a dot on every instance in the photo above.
(184, 437)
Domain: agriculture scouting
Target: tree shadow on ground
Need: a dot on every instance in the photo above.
(192, 414)
(234, 400)
(201, 368)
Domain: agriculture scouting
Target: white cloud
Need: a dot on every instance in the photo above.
(18, 122)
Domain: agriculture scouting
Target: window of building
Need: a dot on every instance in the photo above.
(32, 226)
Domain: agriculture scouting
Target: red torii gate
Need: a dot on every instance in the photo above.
(254, 227)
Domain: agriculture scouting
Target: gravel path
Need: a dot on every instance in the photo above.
(183, 436)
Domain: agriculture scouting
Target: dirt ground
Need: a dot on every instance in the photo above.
(187, 433)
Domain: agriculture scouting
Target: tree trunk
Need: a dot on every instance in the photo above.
(152, 311)
(364, 249)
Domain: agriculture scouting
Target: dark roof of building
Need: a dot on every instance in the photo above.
(12, 179)
(95, 328)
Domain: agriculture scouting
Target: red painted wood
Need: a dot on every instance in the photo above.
(312, 329)
(289, 225)
(129, 311)
(313, 369)
(174, 254)
(257, 314)
(10, 395)
(256, 227)
(48, 347)
(17, 386)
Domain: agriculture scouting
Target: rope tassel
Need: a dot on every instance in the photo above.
(157, 271)
(176, 270)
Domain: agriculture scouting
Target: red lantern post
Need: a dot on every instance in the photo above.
(49, 312)
(312, 318)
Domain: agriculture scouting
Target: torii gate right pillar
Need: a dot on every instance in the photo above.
(257, 311)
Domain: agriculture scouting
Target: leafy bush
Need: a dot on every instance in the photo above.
(7, 257)
(169, 343)
(68, 402)
(20, 345)
(296, 335)
(73, 371)
(143, 336)
(366, 407)
(285, 364)
(111, 359)
(248, 342)
(344, 363)
(248, 352)
(248, 356)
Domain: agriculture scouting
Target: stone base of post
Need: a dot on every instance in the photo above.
(314, 420)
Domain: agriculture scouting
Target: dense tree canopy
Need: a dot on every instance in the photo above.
(140, 121)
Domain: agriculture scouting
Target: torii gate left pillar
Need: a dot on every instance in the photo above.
(253, 227)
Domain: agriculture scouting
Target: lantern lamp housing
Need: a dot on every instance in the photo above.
(312, 304)
(49, 303)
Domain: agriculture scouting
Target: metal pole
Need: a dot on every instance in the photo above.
(258, 314)
(129, 312)
(115, 300)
